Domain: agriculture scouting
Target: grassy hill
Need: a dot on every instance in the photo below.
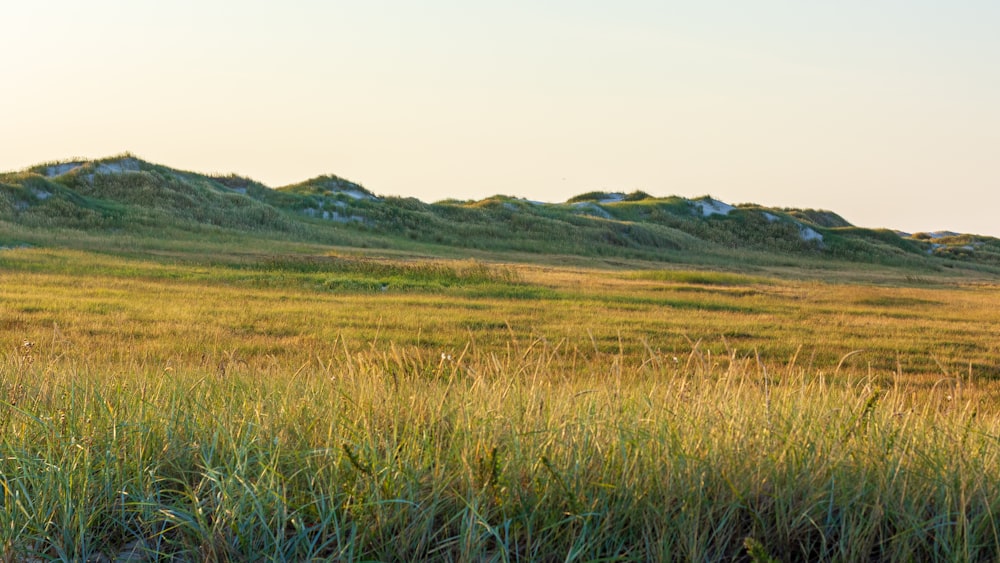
(203, 368)
(123, 195)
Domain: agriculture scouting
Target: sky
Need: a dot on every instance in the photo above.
(884, 111)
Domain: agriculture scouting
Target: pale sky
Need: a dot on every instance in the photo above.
(887, 112)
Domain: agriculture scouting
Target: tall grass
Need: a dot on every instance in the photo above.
(195, 404)
(388, 453)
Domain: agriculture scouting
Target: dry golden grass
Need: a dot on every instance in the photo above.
(252, 408)
(117, 310)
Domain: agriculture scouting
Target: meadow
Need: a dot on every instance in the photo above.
(296, 402)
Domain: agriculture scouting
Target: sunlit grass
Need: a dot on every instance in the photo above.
(396, 453)
(241, 407)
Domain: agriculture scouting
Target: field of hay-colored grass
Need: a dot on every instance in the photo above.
(117, 310)
(336, 406)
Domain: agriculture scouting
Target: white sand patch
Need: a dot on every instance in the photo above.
(334, 186)
(332, 216)
(60, 169)
(41, 194)
(808, 234)
(118, 166)
(770, 217)
(612, 198)
(711, 207)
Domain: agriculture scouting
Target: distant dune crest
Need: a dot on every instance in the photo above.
(123, 192)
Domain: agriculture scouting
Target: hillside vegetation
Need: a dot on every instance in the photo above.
(126, 195)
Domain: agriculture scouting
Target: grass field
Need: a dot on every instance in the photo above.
(295, 402)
